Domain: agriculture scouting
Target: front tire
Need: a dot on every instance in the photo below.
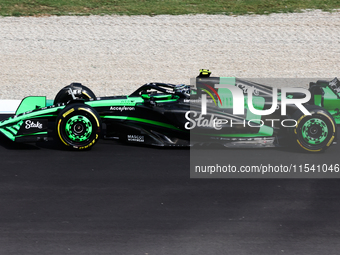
(315, 132)
(78, 126)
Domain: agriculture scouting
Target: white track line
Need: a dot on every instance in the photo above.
(9, 106)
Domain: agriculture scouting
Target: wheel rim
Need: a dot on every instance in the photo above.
(314, 131)
(78, 128)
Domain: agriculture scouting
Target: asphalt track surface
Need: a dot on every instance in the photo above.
(120, 199)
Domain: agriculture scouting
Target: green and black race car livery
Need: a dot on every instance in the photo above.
(164, 114)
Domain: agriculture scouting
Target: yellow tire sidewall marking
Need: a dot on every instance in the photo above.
(70, 111)
(330, 141)
(94, 116)
(60, 134)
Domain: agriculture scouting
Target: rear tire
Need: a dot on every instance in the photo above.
(79, 91)
(315, 132)
(78, 126)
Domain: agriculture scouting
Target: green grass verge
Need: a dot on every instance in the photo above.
(153, 7)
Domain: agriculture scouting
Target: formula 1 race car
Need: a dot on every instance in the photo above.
(163, 114)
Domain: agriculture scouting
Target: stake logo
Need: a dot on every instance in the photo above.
(30, 124)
